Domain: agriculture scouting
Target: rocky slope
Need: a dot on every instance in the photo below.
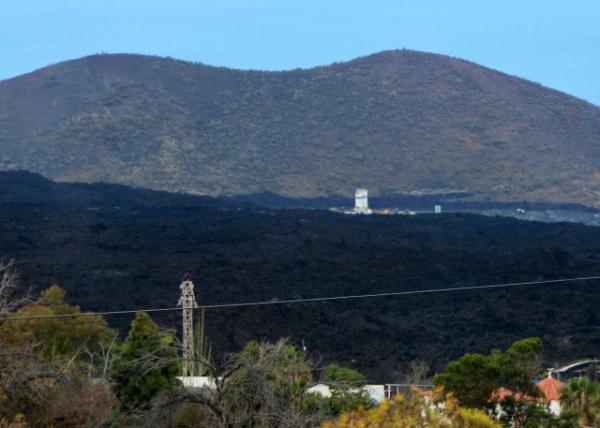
(395, 122)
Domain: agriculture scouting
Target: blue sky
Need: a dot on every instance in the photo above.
(553, 42)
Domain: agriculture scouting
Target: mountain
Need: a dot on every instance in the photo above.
(397, 122)
(131, 248)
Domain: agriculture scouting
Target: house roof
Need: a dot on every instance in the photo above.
(501, 393)
(550, 387)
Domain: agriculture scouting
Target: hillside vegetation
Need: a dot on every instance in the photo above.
(114, 248)
(396, 122)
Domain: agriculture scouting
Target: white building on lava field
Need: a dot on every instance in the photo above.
(361, 202)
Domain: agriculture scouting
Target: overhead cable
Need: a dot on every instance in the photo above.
(276, 301)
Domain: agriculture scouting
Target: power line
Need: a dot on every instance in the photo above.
(399, 293)
(314, 299)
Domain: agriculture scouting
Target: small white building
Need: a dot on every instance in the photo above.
(195, 382)
(361, 202)
(374, 392)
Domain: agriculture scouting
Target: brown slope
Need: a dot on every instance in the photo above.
(396, 122)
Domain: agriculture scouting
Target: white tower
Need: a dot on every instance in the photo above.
(188, 303)
(361, 202)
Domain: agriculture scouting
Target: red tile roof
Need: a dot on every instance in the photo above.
(551, 388)
(501, 393)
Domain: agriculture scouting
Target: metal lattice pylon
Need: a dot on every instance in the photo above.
(188, 302)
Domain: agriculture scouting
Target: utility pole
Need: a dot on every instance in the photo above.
(188, 302)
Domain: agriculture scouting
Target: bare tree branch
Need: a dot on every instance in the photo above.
(260, 388)
(9, 281)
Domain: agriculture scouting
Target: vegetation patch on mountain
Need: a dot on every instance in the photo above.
(398, 122)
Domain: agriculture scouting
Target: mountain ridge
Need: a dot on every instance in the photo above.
(396, 122)
(357, 59)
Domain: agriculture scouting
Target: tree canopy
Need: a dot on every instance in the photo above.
(474, 377)
(146, 363)
(61, 337)
(582, 397)
(414, 412)
(47, 364)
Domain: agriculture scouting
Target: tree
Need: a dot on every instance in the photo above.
(414, 412)
(343, 377)
(416, 372)
(474, 377)
(530, 414)
(268, 384)
(582, 396)
(43, 378)
(526, 354)
(45, 394)
(9, 280)
(264, 385)
(145, 364)
(56, 338)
